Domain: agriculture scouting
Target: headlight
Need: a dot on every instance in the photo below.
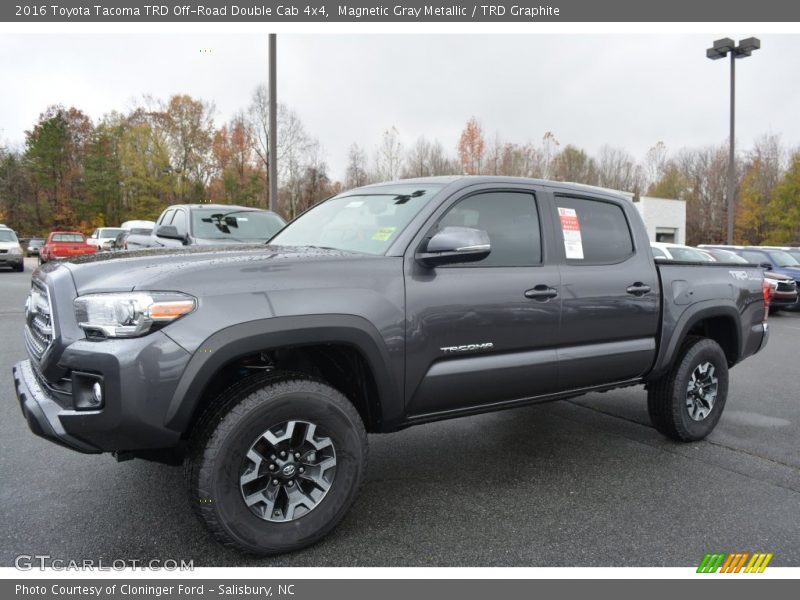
(15, 250)
(130, 314)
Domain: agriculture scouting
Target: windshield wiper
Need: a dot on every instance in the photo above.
(221, 221)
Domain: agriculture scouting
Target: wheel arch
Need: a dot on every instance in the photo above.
(232, 344)
(721, 323)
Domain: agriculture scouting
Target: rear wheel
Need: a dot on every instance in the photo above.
(277, 464)
(687, 403)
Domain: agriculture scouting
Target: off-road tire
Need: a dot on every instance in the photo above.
(226, 431)
(666, 397)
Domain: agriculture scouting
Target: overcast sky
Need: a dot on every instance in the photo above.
(624, 90)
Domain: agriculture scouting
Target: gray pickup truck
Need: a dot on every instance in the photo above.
(262, 368)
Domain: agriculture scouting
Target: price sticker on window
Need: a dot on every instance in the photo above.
(571, 230)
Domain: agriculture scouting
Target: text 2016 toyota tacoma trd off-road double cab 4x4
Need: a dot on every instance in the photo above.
(263, 368)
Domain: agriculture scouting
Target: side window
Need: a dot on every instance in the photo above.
(594, 232)
(510, 219)
(179, 222)
(166, 217)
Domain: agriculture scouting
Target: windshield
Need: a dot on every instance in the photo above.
(6, 235)
(110, 232)
(366, 221)
(688, 254)
(236, 225)
(68, 237)
(725, 256)
(794, 254)
(782, 259)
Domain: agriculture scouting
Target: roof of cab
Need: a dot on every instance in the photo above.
(460, 181)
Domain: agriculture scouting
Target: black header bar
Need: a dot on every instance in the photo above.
(409, 11)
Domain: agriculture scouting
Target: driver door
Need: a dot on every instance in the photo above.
(484, 332)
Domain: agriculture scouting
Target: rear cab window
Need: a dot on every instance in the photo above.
(593, 232)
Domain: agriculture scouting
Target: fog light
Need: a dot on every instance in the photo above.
(97, 393)
(87, 391)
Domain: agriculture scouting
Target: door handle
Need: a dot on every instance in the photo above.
(638, 289)
(541, 292)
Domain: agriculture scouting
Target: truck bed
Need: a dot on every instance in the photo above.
(689, 289)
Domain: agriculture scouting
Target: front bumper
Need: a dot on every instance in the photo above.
(42, 411)
(139, 377)
(10, 260)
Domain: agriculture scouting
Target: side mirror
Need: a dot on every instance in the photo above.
(766, 265)
(170, 232)
(452, 245)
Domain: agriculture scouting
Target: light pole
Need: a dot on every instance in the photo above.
(721, 49)
(273, 123)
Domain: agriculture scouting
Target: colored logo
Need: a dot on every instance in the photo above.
(739, 562)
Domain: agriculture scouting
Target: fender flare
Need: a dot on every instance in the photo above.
(249, 337)
(701, 311)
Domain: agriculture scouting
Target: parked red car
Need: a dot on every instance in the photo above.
(64, 244)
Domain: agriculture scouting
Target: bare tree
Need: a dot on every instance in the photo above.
(388, 157)
(356, 174)
(655, 164)
(705, 173)
(258, 117)
(440, 163)
(617, 169)
(417, 162)
(547, 156)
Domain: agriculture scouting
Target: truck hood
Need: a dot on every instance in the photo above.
(181, 269)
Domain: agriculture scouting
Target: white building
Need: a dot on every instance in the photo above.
(664, 218)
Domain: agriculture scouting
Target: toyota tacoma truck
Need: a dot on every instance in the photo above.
(262, 368)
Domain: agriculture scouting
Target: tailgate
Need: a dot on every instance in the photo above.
(71, 249)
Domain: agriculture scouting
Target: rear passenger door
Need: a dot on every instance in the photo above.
(609, 294)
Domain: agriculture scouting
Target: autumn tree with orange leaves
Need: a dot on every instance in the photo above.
(471, 147)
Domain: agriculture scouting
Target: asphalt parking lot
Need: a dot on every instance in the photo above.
(575, 483)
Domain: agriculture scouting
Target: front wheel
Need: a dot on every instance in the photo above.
(687, 403)
(277, 464)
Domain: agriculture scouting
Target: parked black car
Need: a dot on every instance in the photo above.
(34, 247)
(263, 367)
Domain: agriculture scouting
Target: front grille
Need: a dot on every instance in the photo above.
(787, 286)
(3, 251)
(38, 320)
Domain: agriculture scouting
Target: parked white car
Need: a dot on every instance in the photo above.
(679, 252)
(103, 236)
(10, 250)
(128, 225)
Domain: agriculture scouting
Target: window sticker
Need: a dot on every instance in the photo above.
(571, 229)
(383, 234)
